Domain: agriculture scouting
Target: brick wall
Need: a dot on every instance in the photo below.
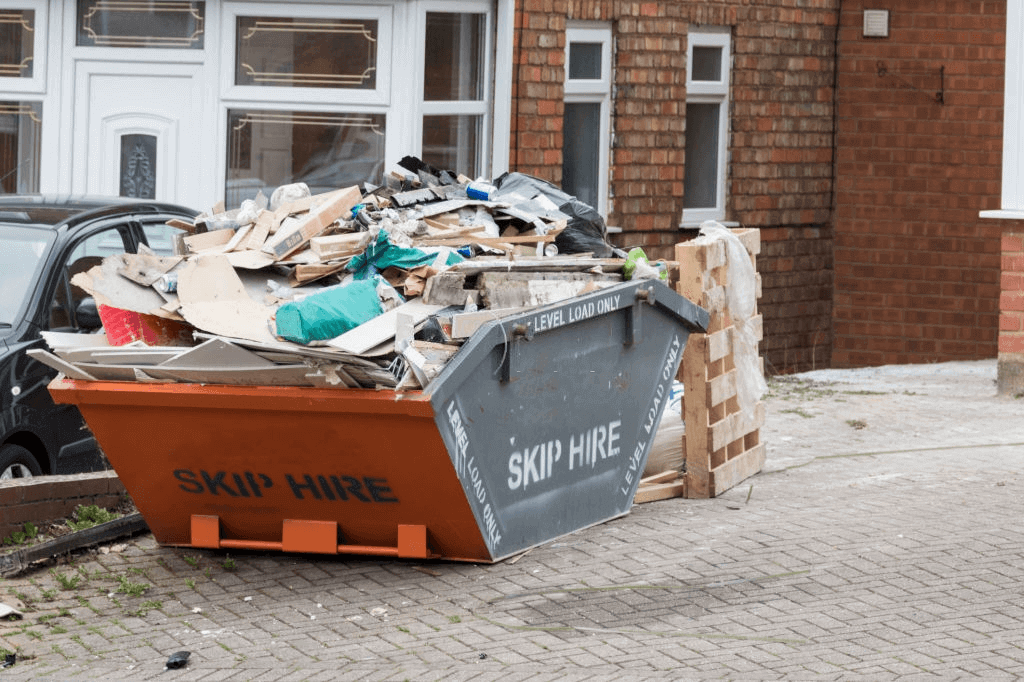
(45, 499)
(781, 138)
(1011, 316)
(916, 270)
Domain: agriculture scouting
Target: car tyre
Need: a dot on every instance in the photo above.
(17, 462)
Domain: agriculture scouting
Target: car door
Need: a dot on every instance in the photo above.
(71, 447)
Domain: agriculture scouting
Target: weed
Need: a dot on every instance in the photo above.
(55, 649)
(192, 561)
(68, 581)
(94, 630)
(22, 597)
(48, 595)
(20, 537)
(46, 618)
(131, 589)
(58, 629)
(207, 572)
(799, 412)
(77, 639)
(33, 634)
(403, 629)
(146, 607)
(191, 583)
(857, 424)
(229, 564)
(454, 619)
(224, 646)
(64, 612)
(87, 516)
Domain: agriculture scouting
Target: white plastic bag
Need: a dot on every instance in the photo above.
(740, 292)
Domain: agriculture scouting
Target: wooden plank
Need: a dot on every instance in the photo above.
(14, 563)
(719, 344)
(750, 238)
(266, 223)
(721, 388)
(695, 415)
(735, 426)
(661, 491)
(663, 477)
(184, 225)
(736, 470)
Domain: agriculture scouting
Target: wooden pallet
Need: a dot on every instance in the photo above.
(722, 445)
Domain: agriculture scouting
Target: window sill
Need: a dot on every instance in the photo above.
(695, 224)
(1003, 214)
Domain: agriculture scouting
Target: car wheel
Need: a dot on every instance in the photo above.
(17, 462)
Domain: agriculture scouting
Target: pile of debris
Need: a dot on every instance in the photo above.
(363, 287)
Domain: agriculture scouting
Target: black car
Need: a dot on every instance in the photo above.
(44, 242)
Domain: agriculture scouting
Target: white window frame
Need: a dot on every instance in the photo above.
(594, 91)
(37, 83)
(1012, 202)
(711, 92)
(379, 96)
(481, 107)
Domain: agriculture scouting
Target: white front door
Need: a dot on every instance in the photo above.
(139, 132)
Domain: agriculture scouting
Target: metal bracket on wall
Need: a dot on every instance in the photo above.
(938, 96)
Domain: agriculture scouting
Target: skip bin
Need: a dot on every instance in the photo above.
(539, 426)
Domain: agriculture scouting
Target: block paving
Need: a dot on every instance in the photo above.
(860, 553)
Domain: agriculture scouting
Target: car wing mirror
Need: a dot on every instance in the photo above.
(87, 314)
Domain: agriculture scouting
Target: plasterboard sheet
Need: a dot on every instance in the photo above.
(381, 328)
(217, 353)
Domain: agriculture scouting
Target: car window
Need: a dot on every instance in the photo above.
(22, 253)
(65, 312)
(160, 237)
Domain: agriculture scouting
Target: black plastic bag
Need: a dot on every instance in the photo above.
(585, 231)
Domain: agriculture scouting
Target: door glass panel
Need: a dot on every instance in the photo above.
(138, 166)
(307, 53)
(707, 64)
(16, 46)
(700, 184)
(326, 151)
(20, 132)
(581, 153)
(141, 23)
(452, 143)
(585, 61)
(454, 57)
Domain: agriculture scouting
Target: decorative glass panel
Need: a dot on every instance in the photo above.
(141, 23)
(585, 61)
(581, 151)
(306, 53)
(454, 57)
(20, 131)
(326, 151)
(452, 143)
(16, 40)
(700, 184)
(707, 64)
(138, 166)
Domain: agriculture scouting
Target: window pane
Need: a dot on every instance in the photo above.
(454, 57)
(141, 23)
(581, 155)
(707, 64)
(700, 185)
(585, 61)
(138, 166)
(20, 129)
(267, 149)
(452, 143)
(307, 53)
(16, 32)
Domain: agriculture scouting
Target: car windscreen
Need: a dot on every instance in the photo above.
(22, 254)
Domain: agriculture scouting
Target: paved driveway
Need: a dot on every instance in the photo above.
(883, 541)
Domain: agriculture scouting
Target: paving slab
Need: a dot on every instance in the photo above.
(882, 541)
